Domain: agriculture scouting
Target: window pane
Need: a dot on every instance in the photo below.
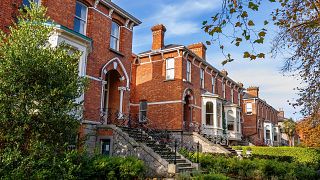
(81, 11)
(26, 3)
(209, 107)
(79, 25)
(115, 30)
(113, 43)
(105, 149)
(143, 105)
(209, 119)
(170, 74)
(230, 127)
(170, 63)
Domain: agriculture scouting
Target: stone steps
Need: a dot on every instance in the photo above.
(161, 149)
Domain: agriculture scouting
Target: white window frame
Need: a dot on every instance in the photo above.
(210, 113)
(143, 110)
(189, 71)
(170, 69)
(83, 20)
(238, 121)
(213, 84)
(219, 115)
(201, 77)
(248, 108)
(113, 36)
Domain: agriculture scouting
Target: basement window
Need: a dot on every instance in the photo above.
(105, 147)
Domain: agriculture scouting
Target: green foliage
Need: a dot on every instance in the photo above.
(253, 168)
(39, 86)
(308, 156)
(117, 167)
(201, 176)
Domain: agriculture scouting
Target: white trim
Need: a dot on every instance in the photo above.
(195, 106)
(159, 103)
(100, 12)
(90, 122)
(122, 67)
(93, 78)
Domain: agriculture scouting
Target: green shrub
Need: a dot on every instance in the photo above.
(253, 168)
(73, 165)
(117, 167)
(307, 156)
(201, 176)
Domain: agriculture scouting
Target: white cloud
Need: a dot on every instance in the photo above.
(180, 18)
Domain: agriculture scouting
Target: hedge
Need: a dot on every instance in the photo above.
(307, 156)
(252, 168)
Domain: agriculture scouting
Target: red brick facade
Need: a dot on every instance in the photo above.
(255, 120)
(172, 101)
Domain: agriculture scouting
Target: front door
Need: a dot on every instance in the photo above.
(186, 114)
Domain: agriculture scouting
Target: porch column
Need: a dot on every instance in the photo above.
(121, 89)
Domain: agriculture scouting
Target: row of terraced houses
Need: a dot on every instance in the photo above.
(170, 87)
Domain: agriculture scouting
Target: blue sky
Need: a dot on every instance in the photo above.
(183, 20)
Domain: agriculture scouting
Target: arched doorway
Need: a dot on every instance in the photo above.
(186, 113)
(187, 109)
(111, 101)
(115, 84)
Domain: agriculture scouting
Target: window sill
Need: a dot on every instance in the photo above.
(168, 80)
(115, 51)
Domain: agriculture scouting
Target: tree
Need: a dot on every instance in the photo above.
(298, 38)
(309, 132)
(39, 86)
(289, 128)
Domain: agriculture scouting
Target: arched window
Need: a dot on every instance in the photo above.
(230, 120)
(209, 113)
(115, 36)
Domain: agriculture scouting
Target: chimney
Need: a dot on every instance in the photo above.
(158, 36)
(224, 72)
(281, 113)
(253, 91)
(199, 49)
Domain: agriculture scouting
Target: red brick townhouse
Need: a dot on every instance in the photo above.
(102, 31)
(175, 88)
(260, 123)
